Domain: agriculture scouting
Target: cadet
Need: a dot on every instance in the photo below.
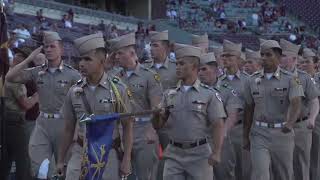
(166, 68)
(101, 94)
(234, 78)
(201, 42)
(53, 81)
(192, 109)
(146, 92)
(273, 99)
(208, 75)
(217, 53)
(309, 111)
(16, 105)
(161, 63)
(308, 63)
(252, 62)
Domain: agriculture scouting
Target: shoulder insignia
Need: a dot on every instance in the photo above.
(115, 79)
(297, 80)
(129, 93)
(218, 97)
(156, 77)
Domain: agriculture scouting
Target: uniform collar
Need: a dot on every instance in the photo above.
(276, 74)
(136, 71)
(165, 64)
(60, 68)
(196, 85)
(103, 82)
(225, 74)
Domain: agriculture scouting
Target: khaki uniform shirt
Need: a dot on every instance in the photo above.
(102, 100)
(144, 86)
(167, 72)
(230, 98)
(192, 111)
(51, 87)
(310, 90)
(236, 84)
(12, 92)
(271, 97)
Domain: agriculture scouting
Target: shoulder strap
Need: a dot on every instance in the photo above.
(119, 102)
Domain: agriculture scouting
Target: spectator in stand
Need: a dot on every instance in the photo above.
(22, 34)
(66, 21)
(102, 26)
(71, 15)
(40, 16)
(114, 32)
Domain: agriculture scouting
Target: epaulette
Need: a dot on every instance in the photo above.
(302, 72)
(172, 60)
(69, 66)
(80, 81)
(207, 87)
(148, 61)
(255, 73)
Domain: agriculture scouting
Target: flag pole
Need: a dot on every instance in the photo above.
(2, 121)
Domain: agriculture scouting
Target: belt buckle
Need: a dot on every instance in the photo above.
(271, 125)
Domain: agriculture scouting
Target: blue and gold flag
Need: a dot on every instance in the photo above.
(97, 144)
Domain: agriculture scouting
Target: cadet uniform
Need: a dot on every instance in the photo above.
(191, 113)
(103, 100)
(271, 95)
(145, 87)
(16, 135)
(303, 135)
(52, 86)
(225, 170)
(235, 82)
(315, 147)
(201, 41)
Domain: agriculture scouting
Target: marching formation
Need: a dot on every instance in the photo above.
(212, 113)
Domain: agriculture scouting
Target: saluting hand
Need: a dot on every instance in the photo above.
(33, 55)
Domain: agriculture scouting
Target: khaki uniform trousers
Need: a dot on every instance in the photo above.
(243, 162)
(187, 164)
(44, 142)
(111, 171)
(302, 149)
(315, 152)
(271, 151)
(225, 170)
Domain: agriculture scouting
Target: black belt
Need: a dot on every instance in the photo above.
(189, 145)
(302, 119)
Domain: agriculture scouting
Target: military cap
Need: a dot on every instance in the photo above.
(231, 48)
(269, 44)
(50, 36)
(196, 39)
(217, 50)
(24, 50)
(159, 36)
(252, 55)
(87, 43)
(183, 50)
(122, 41)
(289, 48)
(308, 53)
(207, 58)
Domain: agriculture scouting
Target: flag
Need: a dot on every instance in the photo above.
(4, 59)
(97, 144)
